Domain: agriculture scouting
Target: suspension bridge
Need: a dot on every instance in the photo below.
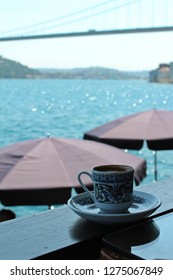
(105, 18)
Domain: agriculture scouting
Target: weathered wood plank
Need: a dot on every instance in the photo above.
(52, 231)
(45, 232)
(162, 189)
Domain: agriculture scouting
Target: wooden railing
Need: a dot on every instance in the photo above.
(61, 234)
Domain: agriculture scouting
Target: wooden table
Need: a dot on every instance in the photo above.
(61, 234)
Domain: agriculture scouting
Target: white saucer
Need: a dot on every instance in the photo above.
(144, 204)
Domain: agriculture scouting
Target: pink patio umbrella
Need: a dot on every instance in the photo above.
(129, 132)
(43, 171)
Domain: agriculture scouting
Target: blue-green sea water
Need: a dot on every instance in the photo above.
(32, 109)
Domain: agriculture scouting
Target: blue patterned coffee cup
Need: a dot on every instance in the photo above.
(113, 187)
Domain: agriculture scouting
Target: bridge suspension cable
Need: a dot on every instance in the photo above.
(55, 23)
(60, 18)
(119, 23)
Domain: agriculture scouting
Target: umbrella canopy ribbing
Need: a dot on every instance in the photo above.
(43, 171)
(129, 132)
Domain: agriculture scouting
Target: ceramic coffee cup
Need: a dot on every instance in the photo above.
(113, 187)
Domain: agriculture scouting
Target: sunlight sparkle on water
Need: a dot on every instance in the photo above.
(34, 109)
(70, 108)
(93, 98)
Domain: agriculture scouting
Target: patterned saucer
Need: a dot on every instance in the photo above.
(144, 204)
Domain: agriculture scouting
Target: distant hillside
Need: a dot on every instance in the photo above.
(88, 73)
(12, 69)
(15, 70)
(139, 74)
(93, 73)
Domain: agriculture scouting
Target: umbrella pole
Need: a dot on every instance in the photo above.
(155, 165)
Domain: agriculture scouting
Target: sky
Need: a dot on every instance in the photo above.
(131, 52)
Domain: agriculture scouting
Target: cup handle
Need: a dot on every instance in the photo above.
(83, 186)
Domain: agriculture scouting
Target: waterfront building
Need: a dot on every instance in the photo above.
(163, 74)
